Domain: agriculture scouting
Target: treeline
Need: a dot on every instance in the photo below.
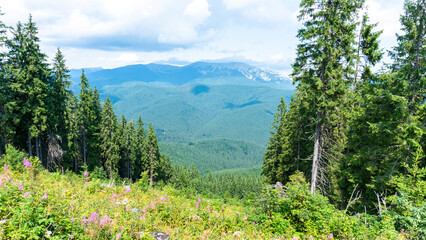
(234, 185)
(40, 115)
(359, 136)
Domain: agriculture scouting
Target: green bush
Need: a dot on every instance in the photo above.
(13, 158)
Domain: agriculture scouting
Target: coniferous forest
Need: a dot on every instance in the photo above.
(346, 157)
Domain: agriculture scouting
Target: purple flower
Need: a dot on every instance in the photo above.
(105, 220)
(253, 223)
(44, 196)
(70, 237)
(118, 236)
(1, 183)
(27, 194)
(21, 187)
(330, 236)
(128, 190)
(208, 208)
(72, 220)
(27, 163)
(86, 174)
(5, 167)
(162, 198)
(93, 217)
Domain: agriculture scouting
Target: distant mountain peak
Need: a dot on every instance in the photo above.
(214, 73)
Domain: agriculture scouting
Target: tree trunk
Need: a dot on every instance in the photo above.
(75, 163)
(29, 143)
(317, 156)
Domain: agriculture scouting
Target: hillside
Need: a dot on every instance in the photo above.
(208, 102)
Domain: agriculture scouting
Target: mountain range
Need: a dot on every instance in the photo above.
(215, 116)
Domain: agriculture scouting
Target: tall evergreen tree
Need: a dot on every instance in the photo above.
(27, 77)
(410, 67)
(137, 154)
(3, 95)
(59, 97)
(89, 119)
(153, 154)
(109, 140)
(325, 57)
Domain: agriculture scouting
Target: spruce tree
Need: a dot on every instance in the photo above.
(27, 76)
(59, 97)
(153, 154)
(325, 57)
(138, 152)
(109, 140)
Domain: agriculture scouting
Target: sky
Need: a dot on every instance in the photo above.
(111, 33)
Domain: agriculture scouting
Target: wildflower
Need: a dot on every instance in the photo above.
(44, 196)
(27, 163)
(72, 220)
(70, 237)
(48, 233)
(208, 208)
(86, 174)
(128, 190)
(199, 200)
(118, 236)
(142, 218)
(5, 167)
(1, 183)
(162, 198)
(196, 205)
(21, 187)
(105, 220)
(27, 194)
(93, 217)
(253, 223)
(223, 208)
(330, 236)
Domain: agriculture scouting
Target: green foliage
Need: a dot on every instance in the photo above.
(98, 173)
(12, 158)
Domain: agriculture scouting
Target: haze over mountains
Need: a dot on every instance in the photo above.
(216, 116)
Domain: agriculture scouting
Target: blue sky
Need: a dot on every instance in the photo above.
(111, 33)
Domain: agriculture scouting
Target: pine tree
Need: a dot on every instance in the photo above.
(3, 94)
(138, 154)
(153, 154)
(58, 99)
(325, 58)
(27, 77)
(89, 119)
(109, 140)
(410, 67)
(124, 134)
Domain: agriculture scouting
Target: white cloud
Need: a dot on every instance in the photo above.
(198, 10)
(111, 33)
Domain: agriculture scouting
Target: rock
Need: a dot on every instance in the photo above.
(160, 235)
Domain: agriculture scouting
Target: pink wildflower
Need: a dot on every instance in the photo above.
(1, 183)
(72, 220)
(253, 223)
(162, 198)
(128, 190)
(330, 236)
(118, 236)
(86, 174)
(27, 194)
(93, 217)
(21, 187)
(208, 208)
(27, 163)
(196, 205)
(105, 220)
(199, 200)
(70, 237)
(44, 196)
(5, 167)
